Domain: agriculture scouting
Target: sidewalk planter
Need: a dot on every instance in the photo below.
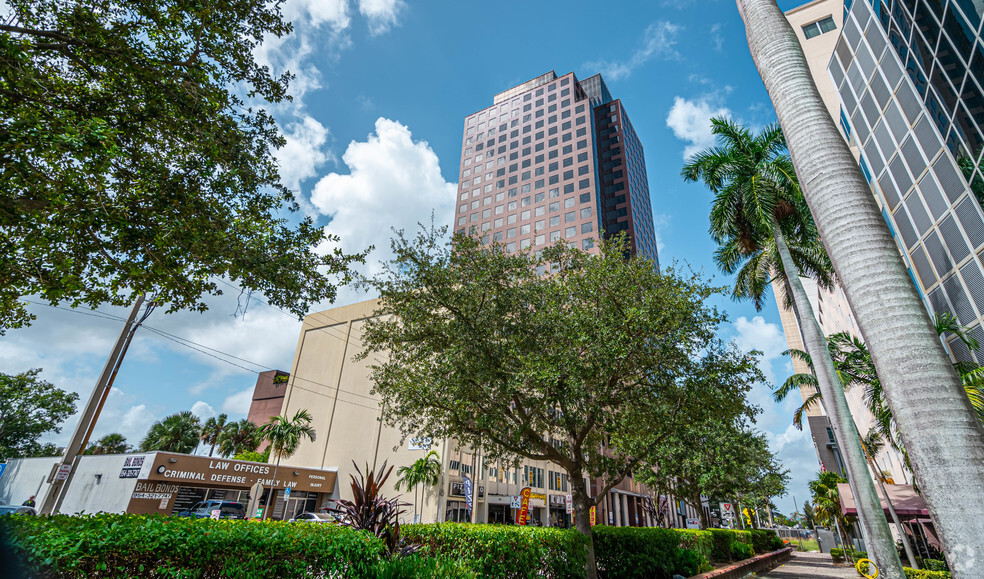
(752, 565)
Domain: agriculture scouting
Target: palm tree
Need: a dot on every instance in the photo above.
(175, 433)
(765, 232)
(827, 504)
(284, 436)
(211, 430)
(944, 438)
(425, 472)
(239, 436)
(110, 444)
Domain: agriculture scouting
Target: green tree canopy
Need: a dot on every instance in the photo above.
(29, 408)
(586, 367)
(137, 157)
(715, 459)
(212, 430)
(175, 433)
(239, 437)
(285, 434)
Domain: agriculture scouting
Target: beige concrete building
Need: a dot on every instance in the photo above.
(817, 25)
(326, 380)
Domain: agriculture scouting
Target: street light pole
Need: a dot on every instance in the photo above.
(56, 491)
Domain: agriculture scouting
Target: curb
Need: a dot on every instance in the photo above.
(743, 568)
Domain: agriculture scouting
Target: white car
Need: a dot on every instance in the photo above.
(14, 510)
(313, 518)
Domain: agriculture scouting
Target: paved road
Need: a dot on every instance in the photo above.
(811, 566)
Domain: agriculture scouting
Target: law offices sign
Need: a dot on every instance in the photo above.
(161, 474)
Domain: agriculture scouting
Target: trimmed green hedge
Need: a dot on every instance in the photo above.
(505, 551)
(923, 574)
(152, 546)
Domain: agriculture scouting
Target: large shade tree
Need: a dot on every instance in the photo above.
(587, 367)
(940, 429)
(136, 157)
(29, 408)
(716, 460)
(175, 433)
(765, 232)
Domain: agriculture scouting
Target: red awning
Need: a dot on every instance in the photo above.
(908, 504)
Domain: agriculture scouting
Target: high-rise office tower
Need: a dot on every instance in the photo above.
(554, 159)
(909, 76)
(903, 79)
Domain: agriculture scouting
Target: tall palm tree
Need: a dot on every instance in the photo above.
(285, 435)
(944, 437)
(424, 472)
(175, 433)
(239, 436)
(765, 232)
(209, 434)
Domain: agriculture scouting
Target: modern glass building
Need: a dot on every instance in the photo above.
(909, 77)
(554, 159)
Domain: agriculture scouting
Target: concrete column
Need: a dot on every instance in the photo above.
(617, 508)
(626, 515)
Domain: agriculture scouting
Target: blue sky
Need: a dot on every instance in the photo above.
(374, 136)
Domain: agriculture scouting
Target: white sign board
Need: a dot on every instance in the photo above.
(693, 523)
(570, 504)
(63, 471)
(215, 514)
(727, 511)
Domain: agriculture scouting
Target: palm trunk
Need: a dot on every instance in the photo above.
(944, 437)
(881, 545)
(895, 517)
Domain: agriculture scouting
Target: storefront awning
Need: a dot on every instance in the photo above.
(908, 504)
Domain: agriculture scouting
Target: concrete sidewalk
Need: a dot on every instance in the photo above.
(810, 566)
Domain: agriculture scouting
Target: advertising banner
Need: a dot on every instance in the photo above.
(593, 516)
(523, 514)
(468, 494)
(569, 502)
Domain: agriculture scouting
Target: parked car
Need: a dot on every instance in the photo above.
(227, 510)
(313, 518)
(15, 510)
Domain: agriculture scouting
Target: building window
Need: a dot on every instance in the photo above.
(820, 27)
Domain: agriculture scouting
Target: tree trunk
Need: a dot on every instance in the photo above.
(944, 437)
(880, 544)
(705, 522)
(582, 520)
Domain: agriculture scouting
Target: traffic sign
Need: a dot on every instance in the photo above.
(287, 493)
(727, 511)
(63, 471)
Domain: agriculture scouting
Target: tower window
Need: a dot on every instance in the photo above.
(820, 27)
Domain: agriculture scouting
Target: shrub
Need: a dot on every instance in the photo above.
(152, 546)
(636, 552)
(776, 542)
(690, 563)
(417, 567)
(837, 555)
(702, 542)
(504, 551)
(932, 564)
(924, 574)
(721, 549)
(742, 551)
(765, 540)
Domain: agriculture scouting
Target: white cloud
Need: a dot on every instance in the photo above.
(317, 12)
(381, 14)
(303, 153)
(202, 410)
(134, 424)
(238, 403)
(690, 121)
(393, 182)
(717, 39)
(757, 334)
(658, 41)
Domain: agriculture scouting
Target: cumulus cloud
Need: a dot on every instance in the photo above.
(238, 403)
(381, 14)
(690, 121)
(304, 152)
(658, 41)
(757, 334)
(393, 182)
(202, 410)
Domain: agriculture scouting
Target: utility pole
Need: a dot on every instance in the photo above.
(57, 489)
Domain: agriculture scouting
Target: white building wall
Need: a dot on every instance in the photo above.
(25, 477)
